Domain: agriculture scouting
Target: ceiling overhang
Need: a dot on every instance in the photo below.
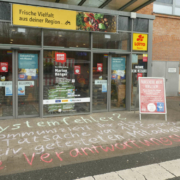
(119, 5)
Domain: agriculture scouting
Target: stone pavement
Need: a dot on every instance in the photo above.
(33, 143)
(162, 171)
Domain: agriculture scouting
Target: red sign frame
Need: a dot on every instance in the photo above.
(99, 67)
(77, 69)
(152, 95)
(60, 57)
(3, 66)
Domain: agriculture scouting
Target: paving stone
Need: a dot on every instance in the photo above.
(108, 176)
(153, 172)
(129, 174)
(172, 166)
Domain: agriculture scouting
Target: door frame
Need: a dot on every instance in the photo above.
(15, 83)
(109, 109)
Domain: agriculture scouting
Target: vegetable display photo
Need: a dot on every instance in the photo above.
(95, 22)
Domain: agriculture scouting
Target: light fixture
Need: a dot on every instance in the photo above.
(13, 30)
(60, 35)
(77, 46)
(84, 44)
(11, 42)
(11, 39)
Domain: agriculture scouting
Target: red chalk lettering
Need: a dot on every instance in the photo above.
(146, 143)
(77, 153)
(44, 156)
(133, 142)
(58, 155)
(175, 138)
(95, 148)
(116, 145)
(107, 148)
(154, 140)
(1, 167)
(126, 144)
(83, 150)
(165, 140)
(30, 162)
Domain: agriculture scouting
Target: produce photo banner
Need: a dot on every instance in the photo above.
(41, 17)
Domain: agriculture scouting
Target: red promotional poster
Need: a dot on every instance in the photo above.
(60, 57)
(77, 69)
(139, 75)
(3, 67)
(99, 67)
(145, 57)
(152, 99)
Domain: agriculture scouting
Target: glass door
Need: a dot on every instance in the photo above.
(6, 84)
(100, 82)
(27, 83)
(118, 82)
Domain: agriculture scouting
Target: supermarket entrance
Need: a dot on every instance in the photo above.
(19, 84)
(109, 82)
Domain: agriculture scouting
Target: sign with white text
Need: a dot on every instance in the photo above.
(152, 99)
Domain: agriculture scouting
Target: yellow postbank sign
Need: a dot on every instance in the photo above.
(43, 17)
(140, 42)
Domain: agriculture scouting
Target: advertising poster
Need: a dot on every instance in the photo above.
(152, 95)
(63, 19)
(77, 69)
(28, 66)
(99, 67)
(3, 67)
(60, 57)
(118, 68)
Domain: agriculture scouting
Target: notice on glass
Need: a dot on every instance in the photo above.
(152, 95)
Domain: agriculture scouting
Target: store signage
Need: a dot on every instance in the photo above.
(152, 99)
(139, 67)
(140, 42)
(171, 70)
(77, 69)
(60, 57)
(35, 16)
(145, 57)
(3, 67)
(99, 67)
(139, 75)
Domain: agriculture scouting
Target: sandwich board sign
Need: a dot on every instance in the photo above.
(152, 96)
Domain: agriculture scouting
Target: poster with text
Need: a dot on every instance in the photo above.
(77, 69)
(3, 67)
(99, 67)
(152, 95)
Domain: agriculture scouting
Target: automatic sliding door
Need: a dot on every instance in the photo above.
(28, 83)
(118, 82)
(100, 82)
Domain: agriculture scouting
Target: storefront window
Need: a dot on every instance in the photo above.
(15, 35)
(6, 92)
(140, 25)
(124, 23)
(66, 39)
(5, 11)
(66, 82)
(112, 41)
(139, 69)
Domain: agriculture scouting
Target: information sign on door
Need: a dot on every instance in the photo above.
(152, 96)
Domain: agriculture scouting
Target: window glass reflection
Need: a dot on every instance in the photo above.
(140, 25)
(66, 39)
(15, 35)
(112, 41)
(66, 83)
